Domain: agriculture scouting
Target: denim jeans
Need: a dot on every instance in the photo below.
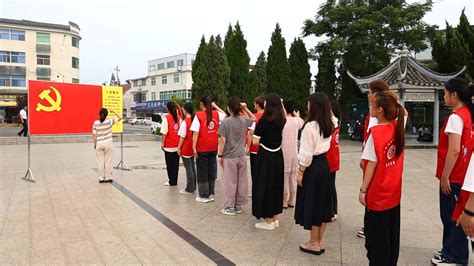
(455, 244)
(206, 164)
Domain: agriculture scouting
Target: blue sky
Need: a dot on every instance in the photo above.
(129, 33)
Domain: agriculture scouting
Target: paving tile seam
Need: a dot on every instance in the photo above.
(192, 240)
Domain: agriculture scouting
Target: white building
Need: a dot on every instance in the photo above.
(32, 50)
(167, 78)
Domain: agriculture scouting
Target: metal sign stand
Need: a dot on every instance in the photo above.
(121, 165)
(29, 175)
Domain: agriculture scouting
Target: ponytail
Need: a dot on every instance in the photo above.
(208, 110)
(400, 136)
(171, 106)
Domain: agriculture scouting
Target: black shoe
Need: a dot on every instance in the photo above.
(101, 181)
(109, 181)
(439, 260)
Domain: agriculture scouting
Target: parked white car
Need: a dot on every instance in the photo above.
(154, 126)
(136, 120)
(147, 121)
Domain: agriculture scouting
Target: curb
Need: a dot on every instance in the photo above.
(54, 139)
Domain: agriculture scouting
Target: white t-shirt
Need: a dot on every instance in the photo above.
(196, 125)
(182, 129)
(469, 179)
(23, 114)
(372, 122)
(369, 148)
(455, 125)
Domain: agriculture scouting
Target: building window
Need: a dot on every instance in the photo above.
(143, 97)
(180, 62)
(16, 35)
(143, 82)
(135, 97)
(43, 78)
(42, 37)
(43, 60)
(12, 57)
(12, 80)
(182, 94)
(18, 57)
(135, 83)
(153, 96)
(75, 42)
(153, 81)
(152, 67)
(164, 79)
(176, 78)
(161, 66)
(170, 64)
(75, 81)
(75, 62)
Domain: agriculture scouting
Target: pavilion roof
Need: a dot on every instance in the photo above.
(407, 72)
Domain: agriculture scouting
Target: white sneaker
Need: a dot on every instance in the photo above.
(183, 191)
(228, 211)
(167, 183)
(211, 197)
(202, 200)
(276, 223)
(264, 225)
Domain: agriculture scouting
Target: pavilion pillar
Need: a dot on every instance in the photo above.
(436, 118)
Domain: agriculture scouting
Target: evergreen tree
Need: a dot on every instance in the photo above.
(278, 69)
(467, 33)
(253, 89)
(300, 74)
(326, 77)
(452, 53)
(197, 72)
(260, 70)
(212, 73)
(238, 59)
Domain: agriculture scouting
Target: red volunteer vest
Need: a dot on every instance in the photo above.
(207, 138)
(187, 147)
(172, 138)
(459, 171)
(385, 189)
(333, 153)
(253, 148)
(464, 196)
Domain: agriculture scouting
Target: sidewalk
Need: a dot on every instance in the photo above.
(67, 217)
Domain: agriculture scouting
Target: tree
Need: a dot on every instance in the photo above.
(326, 77)
(260, 70)
(198, 71)
(363, 37)
(450, 53)
(300, 73)
(212, 73)
(278, 69)
(467, 34)
(238, 58)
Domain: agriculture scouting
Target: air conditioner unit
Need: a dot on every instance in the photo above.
(180, 68)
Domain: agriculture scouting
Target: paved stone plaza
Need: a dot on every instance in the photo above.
(68, 217)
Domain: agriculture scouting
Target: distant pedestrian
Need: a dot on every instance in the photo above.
(185, 149)
(289, 147)
(231, 156)
(24, 122)
(103, 145)
(170, 142)
(204, 127)
(314, 196)
(268, 182)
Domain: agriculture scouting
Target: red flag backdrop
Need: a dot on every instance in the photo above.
(61, 108)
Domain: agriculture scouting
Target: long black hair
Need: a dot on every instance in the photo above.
(336, 110)
(207, 102)
(234, 105)
(320, 111)
(289, 106)
(189, 109)
(103, 113)
(274, 112)
(171, 107)
(461, 88)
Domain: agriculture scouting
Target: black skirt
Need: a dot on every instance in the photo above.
(314, 204)
(267, 186)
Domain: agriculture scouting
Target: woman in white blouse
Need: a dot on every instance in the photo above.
(314, 198)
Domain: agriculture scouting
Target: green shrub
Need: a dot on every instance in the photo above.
(158, 131)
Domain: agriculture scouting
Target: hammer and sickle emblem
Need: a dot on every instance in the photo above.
(54, 105)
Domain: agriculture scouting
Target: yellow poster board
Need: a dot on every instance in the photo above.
(112, 99)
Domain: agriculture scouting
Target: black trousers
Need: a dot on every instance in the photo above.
(253, 165)
(206, 164)
(382, 236)
(24, 130)
(334, 193)
(172, 167)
